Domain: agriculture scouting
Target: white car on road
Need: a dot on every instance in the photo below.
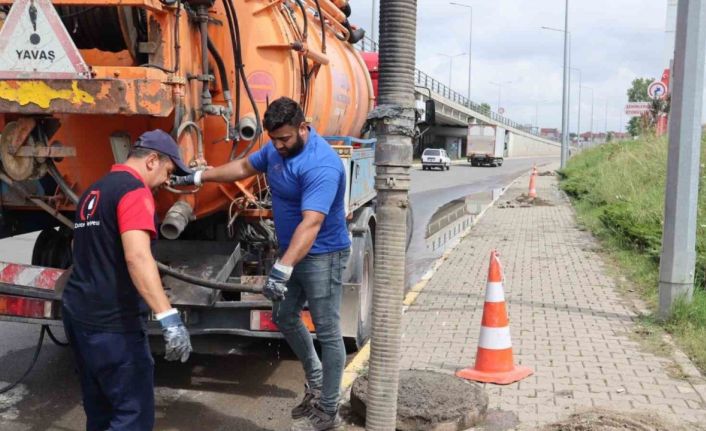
(435, 158)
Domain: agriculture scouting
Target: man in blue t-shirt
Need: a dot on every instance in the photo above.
(308, 184)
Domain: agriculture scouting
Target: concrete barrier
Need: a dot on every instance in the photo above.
(521, 144)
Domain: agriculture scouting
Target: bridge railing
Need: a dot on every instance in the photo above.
(422, 79)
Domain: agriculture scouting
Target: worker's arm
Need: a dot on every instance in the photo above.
(136, 224)
(231, 171)
(303, 238)
(143, 270)
(320, 187)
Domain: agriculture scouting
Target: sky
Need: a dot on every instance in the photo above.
(613, 42)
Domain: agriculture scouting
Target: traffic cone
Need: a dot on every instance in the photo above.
(532, 187)
(494, 363)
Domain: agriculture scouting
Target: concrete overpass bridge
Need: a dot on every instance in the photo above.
(454, 112)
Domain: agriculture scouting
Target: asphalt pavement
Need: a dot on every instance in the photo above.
(253, 390)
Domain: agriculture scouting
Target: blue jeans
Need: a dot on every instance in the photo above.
(117, 377)
(316, 280)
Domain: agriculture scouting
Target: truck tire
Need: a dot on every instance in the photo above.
(365, 293)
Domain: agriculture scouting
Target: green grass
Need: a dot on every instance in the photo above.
(618, 191)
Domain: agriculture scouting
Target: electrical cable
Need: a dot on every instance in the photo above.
(31, 364)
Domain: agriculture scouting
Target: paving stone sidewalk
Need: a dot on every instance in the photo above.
(568, 320)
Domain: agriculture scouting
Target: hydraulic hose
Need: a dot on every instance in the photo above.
(232, 18)
(305, 31)
(394, 119)
(219, 63)
(218, 285)
(323, 26)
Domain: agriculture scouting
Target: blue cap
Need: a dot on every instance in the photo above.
(163, 143)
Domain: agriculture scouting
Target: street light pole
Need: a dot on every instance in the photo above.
(451, 64)
(578, 125)
(565, 93)
(500, 91)
(591, 131)
(470, 45)
(372, 22)
(677, 262)
(565, 98)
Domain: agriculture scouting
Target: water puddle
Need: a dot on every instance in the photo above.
(442, 230)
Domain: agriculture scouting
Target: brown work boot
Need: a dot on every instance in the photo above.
(302, 409)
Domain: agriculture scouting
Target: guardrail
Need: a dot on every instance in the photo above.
(421, 79)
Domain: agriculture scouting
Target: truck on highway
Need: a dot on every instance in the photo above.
(205, 71)
(486, 145)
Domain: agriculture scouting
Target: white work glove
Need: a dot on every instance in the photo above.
(276, 286)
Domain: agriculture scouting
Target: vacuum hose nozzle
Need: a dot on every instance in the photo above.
(178, 216)
(247, 127)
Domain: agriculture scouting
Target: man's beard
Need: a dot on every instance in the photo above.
(296, 149)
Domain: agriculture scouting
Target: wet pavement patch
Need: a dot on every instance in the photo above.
(605, 420)
(430, 401)
(524, 201)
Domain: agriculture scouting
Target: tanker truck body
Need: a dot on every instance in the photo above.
(80, 80)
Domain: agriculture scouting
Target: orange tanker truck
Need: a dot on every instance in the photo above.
(80, 80)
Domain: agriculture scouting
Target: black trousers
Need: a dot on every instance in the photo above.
(117, 377)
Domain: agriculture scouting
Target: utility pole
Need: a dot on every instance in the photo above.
(565, 97)
(606, 120)
(394, 120)
(677, 262)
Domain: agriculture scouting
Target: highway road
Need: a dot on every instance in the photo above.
(247, 392)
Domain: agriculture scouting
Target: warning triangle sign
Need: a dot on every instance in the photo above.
(34, 44)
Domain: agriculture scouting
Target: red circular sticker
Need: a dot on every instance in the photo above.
(262, 85)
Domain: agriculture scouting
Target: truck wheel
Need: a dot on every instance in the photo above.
(365, 293)
(53, 248)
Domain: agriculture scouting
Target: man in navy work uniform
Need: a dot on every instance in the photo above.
(114, 284)
(308, 184)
